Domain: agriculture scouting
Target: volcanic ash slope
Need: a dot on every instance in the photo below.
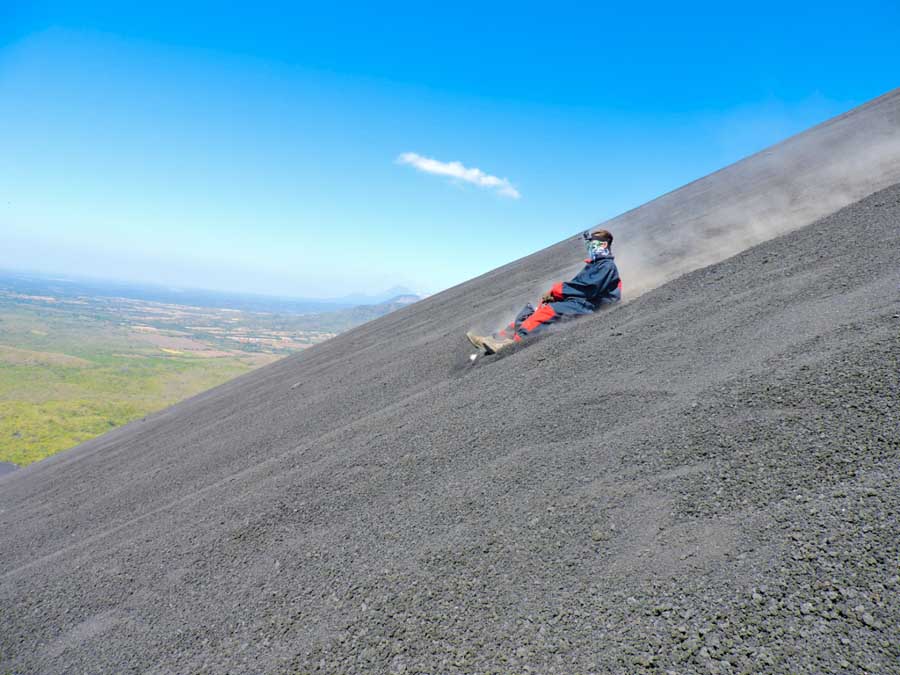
(703, 480)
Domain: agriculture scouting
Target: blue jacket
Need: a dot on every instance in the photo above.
(596, 285)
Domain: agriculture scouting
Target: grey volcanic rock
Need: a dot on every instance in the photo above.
(702, 480)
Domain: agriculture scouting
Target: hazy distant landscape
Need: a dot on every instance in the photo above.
(77, 360)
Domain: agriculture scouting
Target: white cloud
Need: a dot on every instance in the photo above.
(458, 171)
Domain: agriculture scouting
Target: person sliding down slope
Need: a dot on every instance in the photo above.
(595, 286)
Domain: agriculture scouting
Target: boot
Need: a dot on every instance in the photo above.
(492, 345)
(476, 340)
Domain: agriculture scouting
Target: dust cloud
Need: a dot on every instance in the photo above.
(771, 193)
(762, 197)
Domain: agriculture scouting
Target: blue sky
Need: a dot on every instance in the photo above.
(297, 150)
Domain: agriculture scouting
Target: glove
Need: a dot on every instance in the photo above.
(547, 297)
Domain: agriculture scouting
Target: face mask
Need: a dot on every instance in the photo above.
(596, 249)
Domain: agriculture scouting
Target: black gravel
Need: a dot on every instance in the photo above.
(703, 480)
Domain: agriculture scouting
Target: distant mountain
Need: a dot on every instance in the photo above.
(29, 283)
(387, 296)
(337, 321)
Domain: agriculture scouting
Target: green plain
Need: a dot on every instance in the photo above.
(68, 377)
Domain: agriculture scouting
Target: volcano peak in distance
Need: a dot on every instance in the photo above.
(700, 480)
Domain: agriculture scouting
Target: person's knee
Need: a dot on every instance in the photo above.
(542, 315)
(524, 313)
